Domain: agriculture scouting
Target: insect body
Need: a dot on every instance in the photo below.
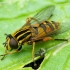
(36, 32)
(31, 33)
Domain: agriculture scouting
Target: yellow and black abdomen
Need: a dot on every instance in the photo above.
(46, 28)
(51, 27)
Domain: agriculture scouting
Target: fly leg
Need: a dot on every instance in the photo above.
(41, 52)
(3, 55)
(6, 53)
(33, 53)
(50, 38)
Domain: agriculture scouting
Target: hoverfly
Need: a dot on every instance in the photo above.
(36, 29)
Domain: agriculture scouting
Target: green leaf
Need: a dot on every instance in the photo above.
(13, 14)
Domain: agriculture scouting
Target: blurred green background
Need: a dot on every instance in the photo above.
(13, 14)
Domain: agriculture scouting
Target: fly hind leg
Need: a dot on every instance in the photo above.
(50, 38)
(42, 51)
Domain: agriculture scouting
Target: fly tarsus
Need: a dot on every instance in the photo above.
(41, 52)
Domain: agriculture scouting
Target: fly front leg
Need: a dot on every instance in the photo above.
(6, 52)
(3, 55)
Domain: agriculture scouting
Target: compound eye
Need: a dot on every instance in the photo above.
(13, 44)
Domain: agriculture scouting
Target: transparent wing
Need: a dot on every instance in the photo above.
(44, 14)
(65, 26)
